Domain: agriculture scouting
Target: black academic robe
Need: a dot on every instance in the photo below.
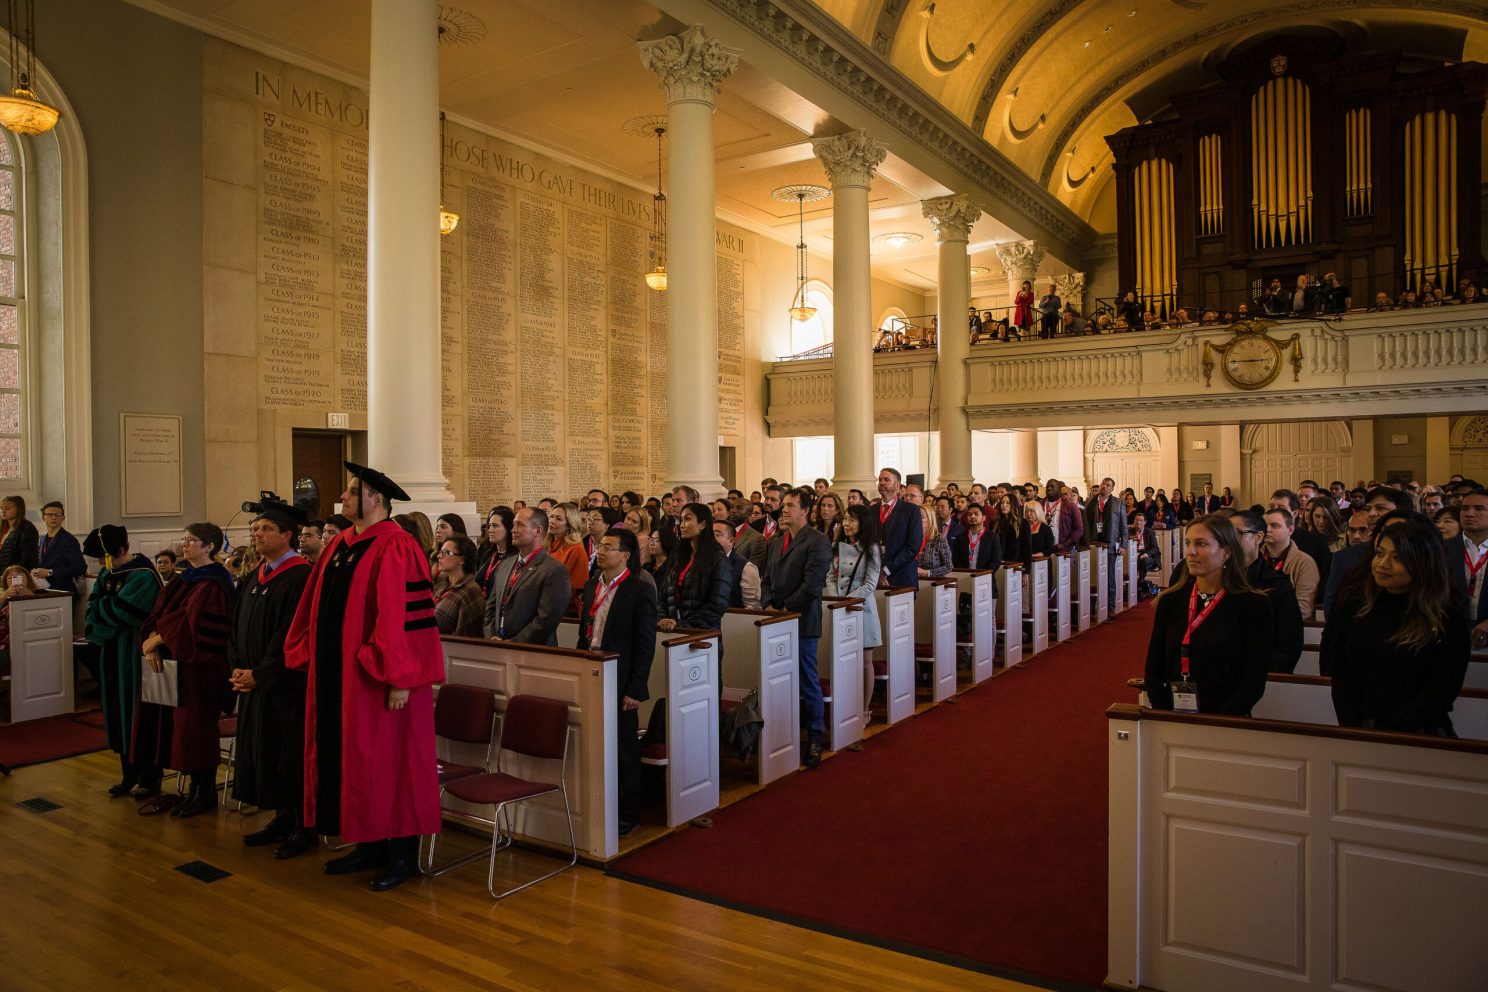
(270, 770)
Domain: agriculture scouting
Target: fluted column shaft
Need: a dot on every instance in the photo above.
(952, 217)
(850, 160)
(691, 67)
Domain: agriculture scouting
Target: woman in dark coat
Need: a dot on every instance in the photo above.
(22, 542)
(190, 623)
(495, 545)
(694, 587)
(1227, 623)
(1398, 653)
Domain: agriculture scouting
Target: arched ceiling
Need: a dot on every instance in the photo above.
(1045, 81)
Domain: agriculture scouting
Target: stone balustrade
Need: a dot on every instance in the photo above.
(1397, 363)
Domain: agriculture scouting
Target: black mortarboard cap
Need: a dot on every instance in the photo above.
(376, 480)
(107, 540)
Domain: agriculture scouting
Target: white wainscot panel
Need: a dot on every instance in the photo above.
(1262, 781)
(1431, 803)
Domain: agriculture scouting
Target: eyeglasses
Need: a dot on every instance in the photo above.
(448, 554)
(190, 540)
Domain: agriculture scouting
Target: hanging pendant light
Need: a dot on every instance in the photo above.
(799, 310)
(20, 111)
(448, 219)
(648, 125)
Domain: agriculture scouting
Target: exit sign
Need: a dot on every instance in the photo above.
(338, 420)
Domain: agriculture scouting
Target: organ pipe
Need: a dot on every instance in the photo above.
(1281, 163)
(1431, 247)
(1156, 282)
(1211, 185)
(1358, 163)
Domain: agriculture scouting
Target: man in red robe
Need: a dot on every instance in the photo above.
(365, 633)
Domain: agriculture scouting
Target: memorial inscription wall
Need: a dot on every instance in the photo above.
(554, 351)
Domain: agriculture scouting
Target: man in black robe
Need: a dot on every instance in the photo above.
(271, 715)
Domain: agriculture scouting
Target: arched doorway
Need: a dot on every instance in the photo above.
(1278, 456)
(1469, 454)
(1132, 456)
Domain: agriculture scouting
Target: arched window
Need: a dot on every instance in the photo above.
(808, 335)
(15, 461)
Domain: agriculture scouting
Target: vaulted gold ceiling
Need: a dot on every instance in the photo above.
(1044, 81)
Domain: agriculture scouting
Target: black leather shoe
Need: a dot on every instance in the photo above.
(122, 789)
(276, 832)
(627, 827)
(296, 844)
(146, 790)
(200, 800)
(363, 858)
(398, 871)
(813, 754)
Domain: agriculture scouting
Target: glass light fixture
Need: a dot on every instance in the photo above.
(799, 309)
(20, 111)
(656, 276)
(898, 239)
(448, 219)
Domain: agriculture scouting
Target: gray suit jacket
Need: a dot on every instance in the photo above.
(1114, 531)
(794, 580)
(750, 545)
(534, 606)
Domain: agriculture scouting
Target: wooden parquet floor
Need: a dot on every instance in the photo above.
(89, 899)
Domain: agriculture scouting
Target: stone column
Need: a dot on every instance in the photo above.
(1438, 450)
(691, 68)
(404, 414)
(952, 217)
(1024, 464)
(850, 160)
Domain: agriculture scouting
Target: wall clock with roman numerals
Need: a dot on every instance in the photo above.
(1252, 359)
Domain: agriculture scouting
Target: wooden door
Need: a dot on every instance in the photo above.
(319, 457)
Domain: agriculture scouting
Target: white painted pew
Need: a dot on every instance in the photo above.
(683, 676)
(1309, 699)
(1312, 632)
(40, 656)
(893, 659)
(1133, 575)
(762, 652)
(839, 665)
(979, 584)
(1118, 554)
(1036, 609)
(1170, 552)
(1059, 602)
(1010, 613)
(1256, 856)
(1080, 559)
(1100, 581)
(1477, 673)
(587, 682)
(935, 634)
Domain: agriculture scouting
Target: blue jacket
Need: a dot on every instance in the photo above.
(64, 557)
(903, 533)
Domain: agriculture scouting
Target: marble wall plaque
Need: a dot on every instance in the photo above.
(150, 476)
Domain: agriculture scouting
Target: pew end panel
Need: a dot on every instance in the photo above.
(935, 630)
(1010, 613)
(762, 652)
(1080, 561)
(894, 659)
(588, 683)
(840, 658)
(1059, 603)
(41, 659)
(979, 586)
(1036, 605)
(1247, 854)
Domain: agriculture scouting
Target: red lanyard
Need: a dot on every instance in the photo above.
(1473, 570)
(771, 527)
(1195, 622)
(520, 567)
(884, 510)
(602, 594)
(1277, 563)
(975, 539)
(682, 575)
(740, 529)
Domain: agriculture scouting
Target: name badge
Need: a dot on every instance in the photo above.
(1185, 697)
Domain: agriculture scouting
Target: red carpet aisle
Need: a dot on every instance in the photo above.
(51, 738)
(976, 830)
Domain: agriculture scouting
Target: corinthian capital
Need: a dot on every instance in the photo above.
(690, 65)
(951, 216)
(850, 159)
(1019, 258)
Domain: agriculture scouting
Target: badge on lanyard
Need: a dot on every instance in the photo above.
(1185, 691)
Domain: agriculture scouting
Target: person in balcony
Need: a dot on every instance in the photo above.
(1023, 309)
(1048, 308)
(1129, 312)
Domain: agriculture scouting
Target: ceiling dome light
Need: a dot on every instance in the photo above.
(899, 239)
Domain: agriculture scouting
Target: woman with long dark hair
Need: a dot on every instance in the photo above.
(190, 624)
(1211, 633)
(1163, 517)
(826, 516)
(21, 542)
(495, 546)
(695, 587)
(1398, 653)
(1325, 521)
(1023, 308)
(1183, 510)
(1010, 528)
(857, 564)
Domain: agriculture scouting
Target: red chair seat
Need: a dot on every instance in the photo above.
(880, 669)
(654, 752)
(227, 727)
(495, 788)
(924, 649)
(826, 689)
(449, 771)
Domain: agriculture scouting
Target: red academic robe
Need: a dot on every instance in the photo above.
(389, 779)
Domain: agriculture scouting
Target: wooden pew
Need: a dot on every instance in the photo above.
(1477, 672)
(1010, 613)
(41, 677)
(1309, 699)
(587, 682)
(762, 653)
(1252, 854)
(1118, 552)
(1170, 551)
(935, 634)
(893, 660)
(1059, 604)
(839, 665)
(1100, 581)
(1080, 559)
(1036, 610)
(978, 585)
(684, 678)
(1133, 575)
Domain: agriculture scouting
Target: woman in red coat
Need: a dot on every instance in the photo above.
(1023, 308)
(190, 625)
